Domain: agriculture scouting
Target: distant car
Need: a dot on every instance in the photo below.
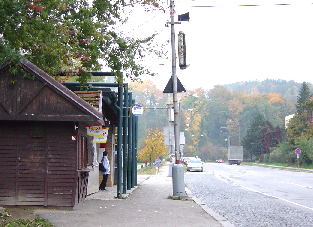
(220, 161)
(195, 165)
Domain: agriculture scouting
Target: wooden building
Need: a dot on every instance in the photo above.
(43, 142)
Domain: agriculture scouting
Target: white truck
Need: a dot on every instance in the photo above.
(235, 155)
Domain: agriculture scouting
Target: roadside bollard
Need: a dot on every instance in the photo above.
(178, 180)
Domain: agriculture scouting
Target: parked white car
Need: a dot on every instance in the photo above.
(195, 165)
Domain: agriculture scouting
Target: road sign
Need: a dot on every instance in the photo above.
(297, 151)
(182, 50)
(169, 86)
(137, 110)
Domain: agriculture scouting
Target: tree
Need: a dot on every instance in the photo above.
(287, 89)
(300, 126)
(153, 146)
(297, 127)
(71, 36)
(154, 103)
(270, 136)
(193, 105)
(252, 142)
(304, 96)
(261, 137)
(235, 108)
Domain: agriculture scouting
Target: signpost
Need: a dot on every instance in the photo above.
(137, 110)
(297, 151)
(182, 50)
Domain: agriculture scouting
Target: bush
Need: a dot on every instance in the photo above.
(37, 222)
(6, 221)
(148, 170)
(306, 145)
(283, 153)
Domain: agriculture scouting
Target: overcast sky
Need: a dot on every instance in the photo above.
(229, 43)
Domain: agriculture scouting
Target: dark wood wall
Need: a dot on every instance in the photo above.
(33, 100)
(38, 164)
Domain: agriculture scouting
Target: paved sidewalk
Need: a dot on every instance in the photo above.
(147, 205)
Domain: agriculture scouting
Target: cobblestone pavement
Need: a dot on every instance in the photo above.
(245, 208)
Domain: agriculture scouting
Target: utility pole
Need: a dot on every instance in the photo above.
(174, 77)
(177, 169)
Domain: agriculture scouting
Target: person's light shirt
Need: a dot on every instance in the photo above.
(106, 164)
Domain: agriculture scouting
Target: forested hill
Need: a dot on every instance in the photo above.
(288, 89)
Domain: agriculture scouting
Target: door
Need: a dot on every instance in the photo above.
(31, 171)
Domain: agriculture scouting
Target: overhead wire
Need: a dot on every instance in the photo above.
(213, 4)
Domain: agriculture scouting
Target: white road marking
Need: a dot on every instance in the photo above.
(303, 186)
(228, 180)
(275, 197)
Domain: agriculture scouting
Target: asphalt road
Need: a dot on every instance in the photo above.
(255, 196)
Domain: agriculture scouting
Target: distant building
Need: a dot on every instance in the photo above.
(287, 119)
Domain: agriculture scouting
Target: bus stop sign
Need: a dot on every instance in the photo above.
(297, 151)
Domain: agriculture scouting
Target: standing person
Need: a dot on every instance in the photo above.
(157, 164)
(106, 172)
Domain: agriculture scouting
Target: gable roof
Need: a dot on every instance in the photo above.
(60, 89)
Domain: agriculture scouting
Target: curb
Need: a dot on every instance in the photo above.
(282, 167)
(222, 220)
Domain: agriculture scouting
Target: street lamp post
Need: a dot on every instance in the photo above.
(228, 141)
(228, 135)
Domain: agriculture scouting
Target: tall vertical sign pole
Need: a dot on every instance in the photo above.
(177, 170)
(119, 138)
(174, 77)
(125, 138)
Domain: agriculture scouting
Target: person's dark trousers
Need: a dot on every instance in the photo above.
(104, 182)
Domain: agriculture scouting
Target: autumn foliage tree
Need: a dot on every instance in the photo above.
(154, 103)
(153, 146)
(204, 114)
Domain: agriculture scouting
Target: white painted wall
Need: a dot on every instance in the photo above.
(93, 179)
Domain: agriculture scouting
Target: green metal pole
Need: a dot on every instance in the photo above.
(129, 152)
(136, 148)
(125, 139)
(133, 149)
(119, 137)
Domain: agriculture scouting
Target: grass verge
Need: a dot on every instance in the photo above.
(148, 170)
(6, 220)
(280, 165)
